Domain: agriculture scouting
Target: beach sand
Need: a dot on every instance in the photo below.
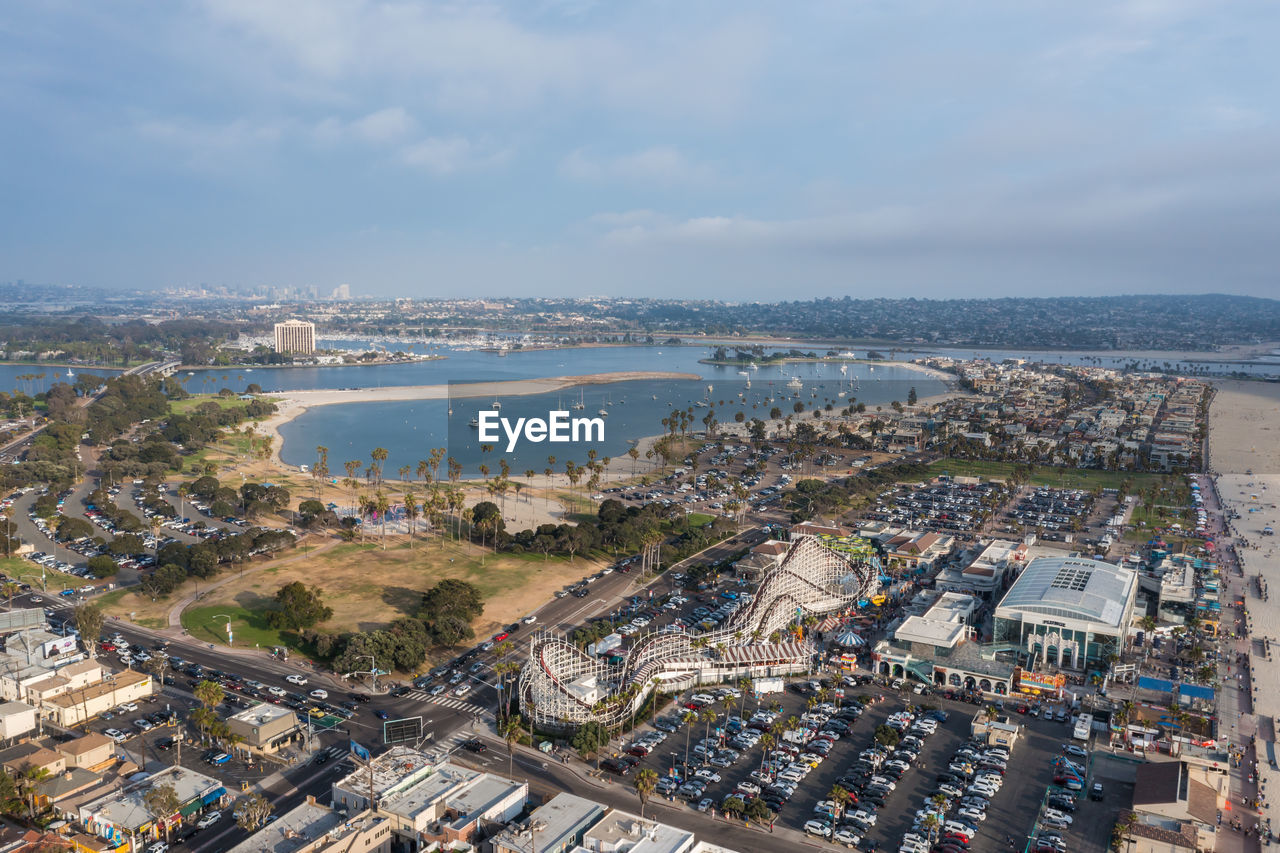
(1244, 427)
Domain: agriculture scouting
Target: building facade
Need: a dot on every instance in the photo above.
(1067, 612)
(296, 336)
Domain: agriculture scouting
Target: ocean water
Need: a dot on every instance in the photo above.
(635, 409)
(41, 376)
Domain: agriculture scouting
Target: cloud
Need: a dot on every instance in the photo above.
(377, 128)
(664, 164)
(479, 58)
(449, 155)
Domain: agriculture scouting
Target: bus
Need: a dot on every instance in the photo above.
(1084, 724)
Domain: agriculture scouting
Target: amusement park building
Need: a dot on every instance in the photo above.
(1067, 612)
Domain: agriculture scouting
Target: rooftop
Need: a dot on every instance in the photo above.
(78, 697)
(128, 810)
(551, 824)
(621, 832)
(933, 632)
(1074, 587)
(394, 771)
(293, 830)
(448, 779)
(263, 713)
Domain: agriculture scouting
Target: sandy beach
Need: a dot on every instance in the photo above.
(1244, 428)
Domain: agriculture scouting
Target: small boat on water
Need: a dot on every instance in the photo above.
(496, 405)
(603, 413)
(475, 423)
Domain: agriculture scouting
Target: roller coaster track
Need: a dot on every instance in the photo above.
(561, 686)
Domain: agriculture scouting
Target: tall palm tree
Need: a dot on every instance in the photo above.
(382, 505)
(645, 781)
(708, 716)
(411, 513)
(687, 719)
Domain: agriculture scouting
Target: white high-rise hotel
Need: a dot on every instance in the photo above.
(296, 336)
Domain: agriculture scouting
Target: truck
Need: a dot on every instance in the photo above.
(766, 686)
(1084, 725)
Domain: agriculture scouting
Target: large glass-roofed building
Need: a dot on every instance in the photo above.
(1068, 612)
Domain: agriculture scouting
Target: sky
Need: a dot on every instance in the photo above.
(724, 149)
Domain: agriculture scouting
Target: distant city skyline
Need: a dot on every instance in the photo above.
(714, 150)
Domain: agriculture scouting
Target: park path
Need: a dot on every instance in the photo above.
(175, 612)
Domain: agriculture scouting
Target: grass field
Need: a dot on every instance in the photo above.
(181, 407)
(53, 582)
(1070, 478)
(367, 587)
(700, 519)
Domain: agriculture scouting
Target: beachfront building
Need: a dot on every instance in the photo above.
(1067, 612)
(296, 336)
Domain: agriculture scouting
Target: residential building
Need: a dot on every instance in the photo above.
(16, 719)
(74, 707)
(313, 828)
(91, 750)
(555, 827)
(622, 832)
(296, 336)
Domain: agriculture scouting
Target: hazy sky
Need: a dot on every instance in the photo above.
(729, 149)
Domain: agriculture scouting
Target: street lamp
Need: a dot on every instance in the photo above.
(230, 638)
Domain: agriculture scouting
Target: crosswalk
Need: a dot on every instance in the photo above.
(446, 701)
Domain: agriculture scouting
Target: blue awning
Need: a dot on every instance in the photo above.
(1196, 691)
(1148, 683)
(213, 796)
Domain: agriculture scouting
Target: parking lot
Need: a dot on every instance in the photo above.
(1009, 815)
(960, 508)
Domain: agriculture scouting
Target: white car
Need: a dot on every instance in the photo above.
(296, 679)
(277, 691)
(708, 774)
(116, 735)
(820, 828)
(158, 847)
(209, 820)
(319, 694)
(1054, 814)
(529, 620)
(127, 707)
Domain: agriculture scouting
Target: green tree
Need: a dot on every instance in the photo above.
(89, 623)
(163, 802)
(298, 607)
(251, 811)
(589, 739)
(644, 783)
(103, 566)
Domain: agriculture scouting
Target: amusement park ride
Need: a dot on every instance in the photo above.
(561, 687)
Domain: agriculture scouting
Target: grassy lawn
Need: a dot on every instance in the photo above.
(28, 572)
(367, 587)
(1071, 478)
(182, 407)
(130, 604)
(700, 519)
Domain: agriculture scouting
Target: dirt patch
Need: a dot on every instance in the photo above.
(368, 586)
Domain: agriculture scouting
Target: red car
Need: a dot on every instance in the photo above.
(498, 638)
(106, 647)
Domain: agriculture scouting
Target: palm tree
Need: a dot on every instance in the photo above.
(10, 589)
(509, 728)
(931, 823)
(382, 504)
(708, 716)
(411, 513)
(645, 781)
(840, 797)
(687, 719)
